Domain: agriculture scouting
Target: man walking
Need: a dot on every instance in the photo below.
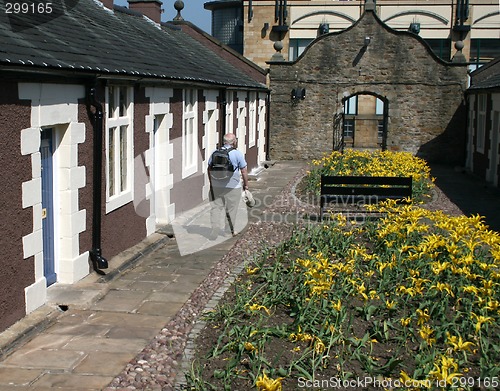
(227, 169)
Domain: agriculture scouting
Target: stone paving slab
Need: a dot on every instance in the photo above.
(44, 359)
(18, 376)
(72, 381)
(103, 363)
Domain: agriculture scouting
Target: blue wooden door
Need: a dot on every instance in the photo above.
(47, 152)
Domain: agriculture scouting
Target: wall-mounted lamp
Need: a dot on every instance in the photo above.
(414, 27)
(367, 41)
(324, 28)
(298, 94)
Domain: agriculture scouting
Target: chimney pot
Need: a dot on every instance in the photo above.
(108, 4)
(149, 8)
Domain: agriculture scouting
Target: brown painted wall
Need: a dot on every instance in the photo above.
(15, 222)
(424, 94)
(123, 227)
(252, 153)
(186, 192)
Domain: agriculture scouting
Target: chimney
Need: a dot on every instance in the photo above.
(108, 4)
(149, 8)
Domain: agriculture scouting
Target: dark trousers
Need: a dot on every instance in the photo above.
(224, 203)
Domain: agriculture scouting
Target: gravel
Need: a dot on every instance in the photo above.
(159, 365)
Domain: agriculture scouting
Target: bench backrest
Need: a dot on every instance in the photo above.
(389, 187)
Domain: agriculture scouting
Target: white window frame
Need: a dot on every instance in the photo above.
(229, 112)
(241, 129)
(116, 122)
(481, 122)
(190, 133)
(252, 118)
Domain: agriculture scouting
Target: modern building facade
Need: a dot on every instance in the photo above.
(253, 26)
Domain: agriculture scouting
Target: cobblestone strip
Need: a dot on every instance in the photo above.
(189, 351)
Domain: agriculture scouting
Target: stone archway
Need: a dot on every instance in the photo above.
(364, 121)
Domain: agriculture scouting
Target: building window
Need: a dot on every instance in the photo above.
(350, 111)
(441, 47)
(483, 50)
(190, 133)
(380, 129)
(481, 122)
(349, 128)
(119, 147)
(297, 47)
(351, 105)
(252, 118)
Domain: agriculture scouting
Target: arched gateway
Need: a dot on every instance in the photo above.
(368, 86)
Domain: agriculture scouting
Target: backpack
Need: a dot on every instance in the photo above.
(221, 166)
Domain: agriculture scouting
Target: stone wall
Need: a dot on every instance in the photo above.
(425, 96)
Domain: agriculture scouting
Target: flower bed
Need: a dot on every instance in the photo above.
(412, 299)
(409, 301)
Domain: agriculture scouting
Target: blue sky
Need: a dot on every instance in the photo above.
(193, 12)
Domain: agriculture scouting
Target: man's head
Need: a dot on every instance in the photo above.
(230, 139)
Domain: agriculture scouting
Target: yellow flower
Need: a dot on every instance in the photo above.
(447, 371)
(441, 286)
(426, 332)
(252, 271)
(438, 267)
(409, 291)
(480, 319)
(264, 383)
(373, 295)
(361, 290)
(319, 346)
(423, 316)
(300, 337)
(249, 347)
(470, 289)
(405, 321)
(337, 306)
(257, 307)
(390, 304)
(493, 305)
(457, 343)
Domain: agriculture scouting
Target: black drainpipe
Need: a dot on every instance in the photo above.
(268, 125)
(96, 116)
(223, 115)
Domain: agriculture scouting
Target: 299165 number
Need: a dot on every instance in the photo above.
(28, 8)
(480, 382)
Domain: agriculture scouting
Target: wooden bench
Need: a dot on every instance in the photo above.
(350, 192)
